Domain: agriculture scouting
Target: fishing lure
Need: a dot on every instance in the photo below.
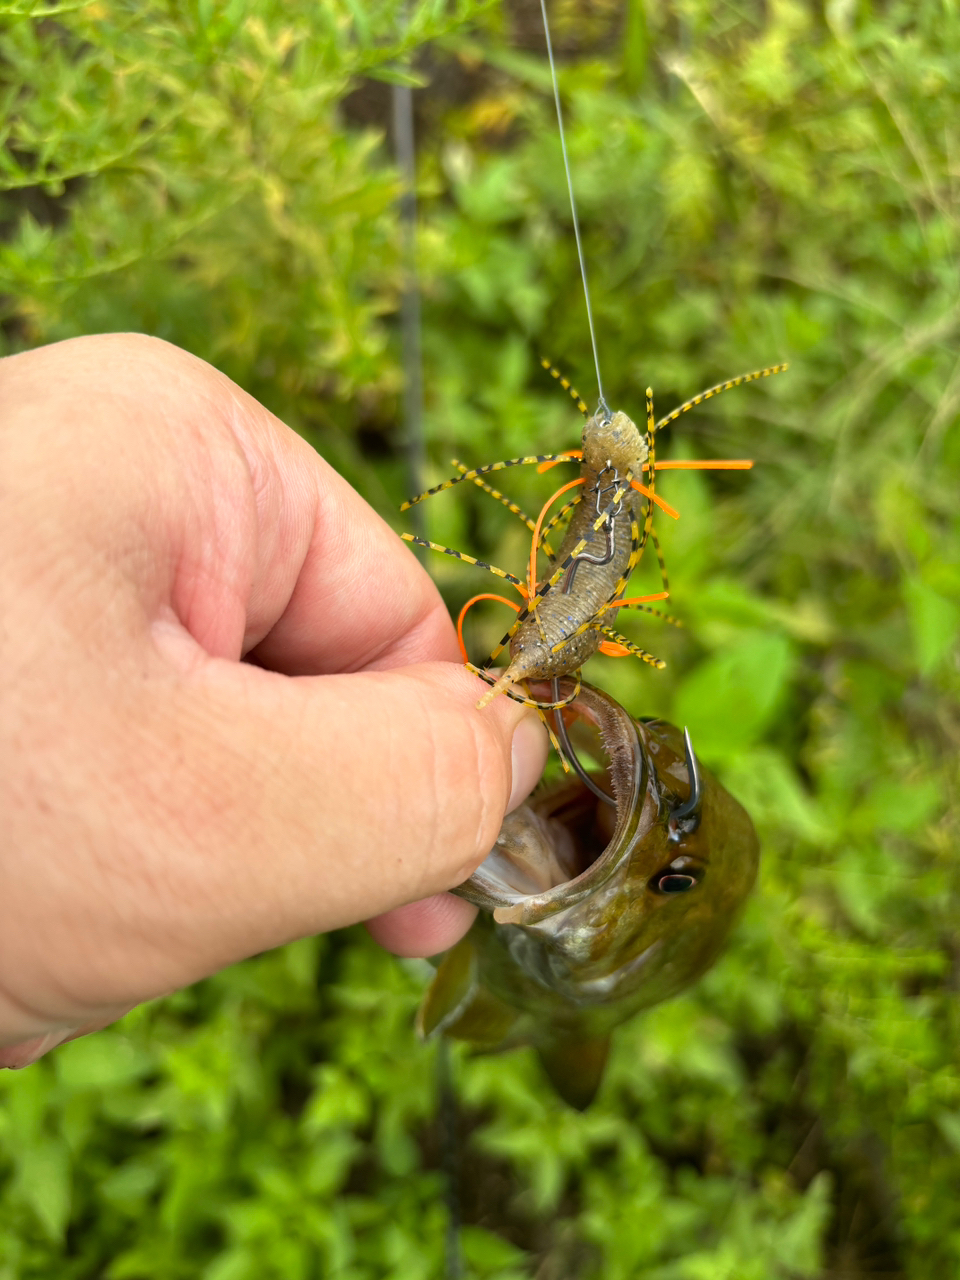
(591, 912)
(567, 614)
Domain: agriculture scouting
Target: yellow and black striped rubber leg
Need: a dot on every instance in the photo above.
(630, 647)
(462, 555)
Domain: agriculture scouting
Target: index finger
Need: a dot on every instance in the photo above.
(361, 600)
(338, 591)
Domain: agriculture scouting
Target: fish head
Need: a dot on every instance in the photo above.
(617, 905)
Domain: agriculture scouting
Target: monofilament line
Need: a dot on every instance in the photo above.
(573, 204)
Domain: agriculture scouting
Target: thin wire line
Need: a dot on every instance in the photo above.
(573, 205)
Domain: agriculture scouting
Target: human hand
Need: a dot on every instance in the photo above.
(169, 808)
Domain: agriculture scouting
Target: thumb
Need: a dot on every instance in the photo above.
(249, 808)
(318, 802)
(380, 787)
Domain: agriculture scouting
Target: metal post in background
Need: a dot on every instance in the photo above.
(405, 150)
(450, 1158)
(414, 448)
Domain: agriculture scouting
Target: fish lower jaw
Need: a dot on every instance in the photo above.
(603, 986)
(582, 983)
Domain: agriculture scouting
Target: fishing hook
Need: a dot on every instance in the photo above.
(571, 755)
(685, 819)
(585, 557)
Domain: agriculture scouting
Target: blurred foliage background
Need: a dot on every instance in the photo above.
(758, 181)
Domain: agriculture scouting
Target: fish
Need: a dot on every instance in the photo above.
(605, 894)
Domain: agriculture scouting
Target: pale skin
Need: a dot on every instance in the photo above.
(231, 707)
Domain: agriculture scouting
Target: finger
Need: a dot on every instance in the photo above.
(434, 924)
(423, 928)
(208, 504)
(26, 1052)
(361, 599)
(333, 587)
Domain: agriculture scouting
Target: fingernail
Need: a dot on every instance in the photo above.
(529, 755)
(27, 1052)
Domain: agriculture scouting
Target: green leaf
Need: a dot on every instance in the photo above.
(102, 1061)
(767, 785)
(898, 806)
(398, 75)
(728, 700)
(131, 1183)
(934, 623)
(635, 46)
(235, 1264)
(489, 1253)
(43, 1183)
(949, 1123)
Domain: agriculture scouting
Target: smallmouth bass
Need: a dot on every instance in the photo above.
(592, 911)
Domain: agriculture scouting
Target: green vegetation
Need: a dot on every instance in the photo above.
(757, 182)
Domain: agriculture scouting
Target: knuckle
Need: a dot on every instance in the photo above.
(494, 772)
(471, 785)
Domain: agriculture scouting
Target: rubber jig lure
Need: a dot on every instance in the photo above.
(567, 614)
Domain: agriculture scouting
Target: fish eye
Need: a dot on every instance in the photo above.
(679, 877)
(675, 883)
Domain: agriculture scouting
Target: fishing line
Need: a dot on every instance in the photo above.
(573, 207)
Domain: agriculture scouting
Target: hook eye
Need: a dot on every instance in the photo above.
(686, 817)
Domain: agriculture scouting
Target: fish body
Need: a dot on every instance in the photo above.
(589, 912)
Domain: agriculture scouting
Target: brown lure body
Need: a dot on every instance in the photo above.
(559, 629)
(591, 913)
(567, 614)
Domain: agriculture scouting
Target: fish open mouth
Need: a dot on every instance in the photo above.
(565, 840)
